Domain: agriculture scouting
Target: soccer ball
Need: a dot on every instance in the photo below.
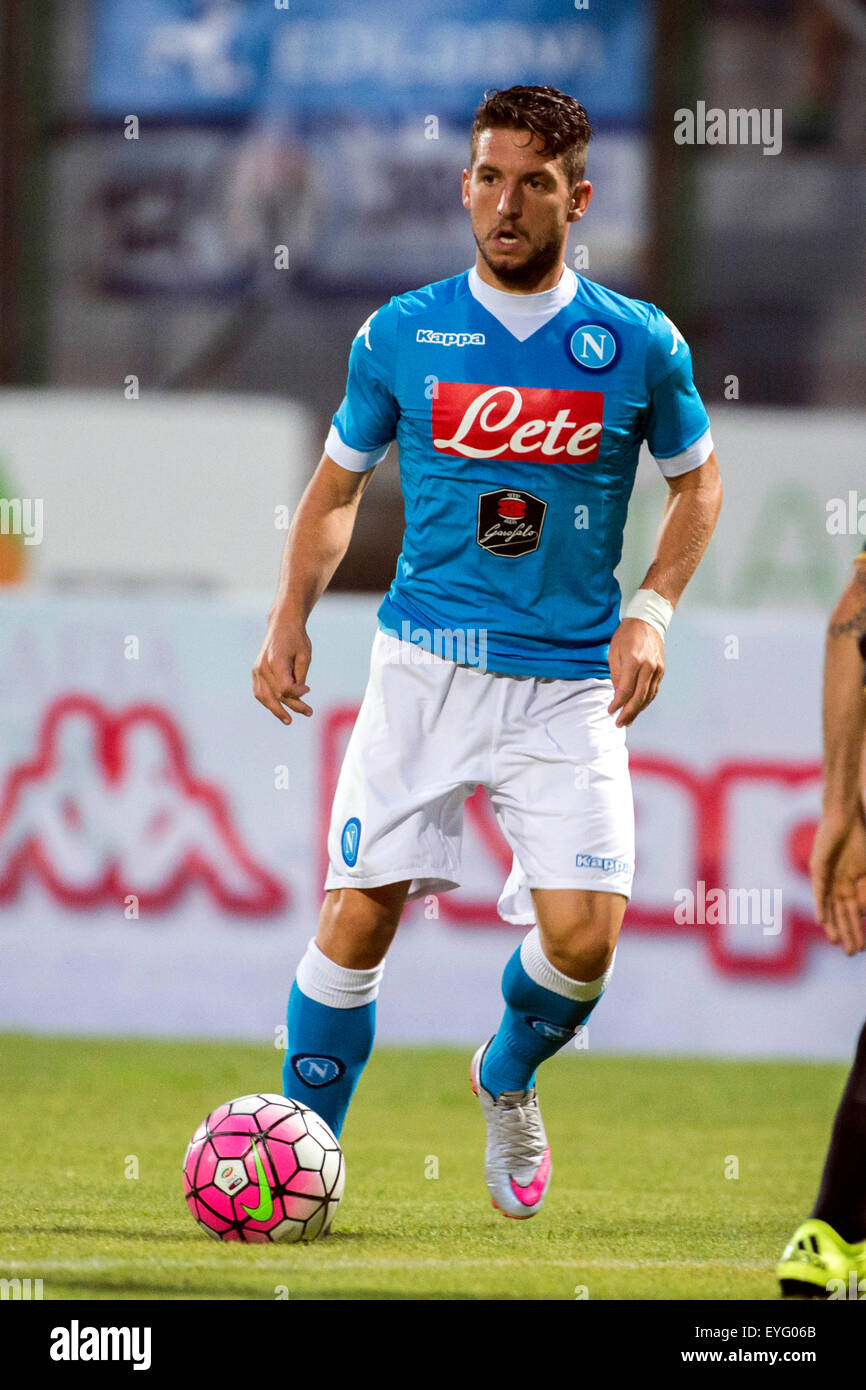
(264, 1168)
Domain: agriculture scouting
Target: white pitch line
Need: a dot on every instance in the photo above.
(44, 1266)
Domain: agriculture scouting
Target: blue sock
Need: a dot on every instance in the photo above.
(538, 1019)
(331, 1025)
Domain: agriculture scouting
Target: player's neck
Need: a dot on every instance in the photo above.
(547, 282)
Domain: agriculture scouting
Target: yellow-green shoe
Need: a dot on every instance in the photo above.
(818, 1263)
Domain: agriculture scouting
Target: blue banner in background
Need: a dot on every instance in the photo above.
(340, 129)
(229, 59)
(168, 58)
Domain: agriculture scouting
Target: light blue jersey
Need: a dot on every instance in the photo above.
(518, 448)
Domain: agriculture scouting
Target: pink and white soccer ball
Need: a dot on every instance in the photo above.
(264, 1168)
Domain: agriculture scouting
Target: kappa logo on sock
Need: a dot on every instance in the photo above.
(554, 1031)
(317, 1071)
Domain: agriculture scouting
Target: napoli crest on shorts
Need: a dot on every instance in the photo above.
(350, 839)
(317, 1071)
(593, 347)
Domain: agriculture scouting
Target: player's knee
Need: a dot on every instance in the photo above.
(356, 927)
(584, 954)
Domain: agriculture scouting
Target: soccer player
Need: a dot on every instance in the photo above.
(832, 1243)
(519, 395)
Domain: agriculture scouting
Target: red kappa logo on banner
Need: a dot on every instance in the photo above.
(110, 807)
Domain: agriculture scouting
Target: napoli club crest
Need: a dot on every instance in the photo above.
(350, 840)
(593, 347)
(317, 1071)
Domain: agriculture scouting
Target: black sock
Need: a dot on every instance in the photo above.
(841, 1201)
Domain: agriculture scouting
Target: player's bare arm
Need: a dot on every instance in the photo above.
(637, 658)
(838, 860)
(317, 541)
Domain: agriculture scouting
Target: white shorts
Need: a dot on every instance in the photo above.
(429, 731)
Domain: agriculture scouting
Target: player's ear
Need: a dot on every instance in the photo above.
(464, 186)
(580, 200)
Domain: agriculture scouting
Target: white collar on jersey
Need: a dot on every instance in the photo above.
(524, 314)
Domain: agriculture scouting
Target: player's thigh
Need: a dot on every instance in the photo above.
(563, 797)
(357, 925)
(411, 761)
(579, 928)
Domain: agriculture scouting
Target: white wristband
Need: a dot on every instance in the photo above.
(652, 608)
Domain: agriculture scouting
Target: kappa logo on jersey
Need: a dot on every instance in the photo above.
(365, 328)
(430, 335)
(592, 346)
(541, 424)
(509, 522)
(676, 334)
(317, 1071)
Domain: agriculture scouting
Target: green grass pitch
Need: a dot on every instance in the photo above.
(640, 1206)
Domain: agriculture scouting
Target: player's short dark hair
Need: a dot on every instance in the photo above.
(556, 119)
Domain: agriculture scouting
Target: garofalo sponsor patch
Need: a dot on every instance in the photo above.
(509, 521)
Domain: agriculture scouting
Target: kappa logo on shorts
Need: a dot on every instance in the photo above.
(554, 1031)
(350, 840)
(597, 861)
(509, 522)
(315, 1070)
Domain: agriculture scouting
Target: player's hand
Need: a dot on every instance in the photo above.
(281, 669)
(637, 665)
(846, 900)
(830, 838)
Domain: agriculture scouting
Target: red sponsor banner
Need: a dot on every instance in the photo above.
(474, 421)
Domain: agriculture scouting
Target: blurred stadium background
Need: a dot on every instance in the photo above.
(201, 202)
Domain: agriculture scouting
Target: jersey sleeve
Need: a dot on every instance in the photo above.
(677, 428)
(366, 422)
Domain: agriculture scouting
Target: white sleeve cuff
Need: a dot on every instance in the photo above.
(690, 458)
(356, 460)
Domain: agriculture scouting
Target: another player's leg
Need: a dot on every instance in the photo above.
(831, 1245)
(551, 985)
(332, 1006)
